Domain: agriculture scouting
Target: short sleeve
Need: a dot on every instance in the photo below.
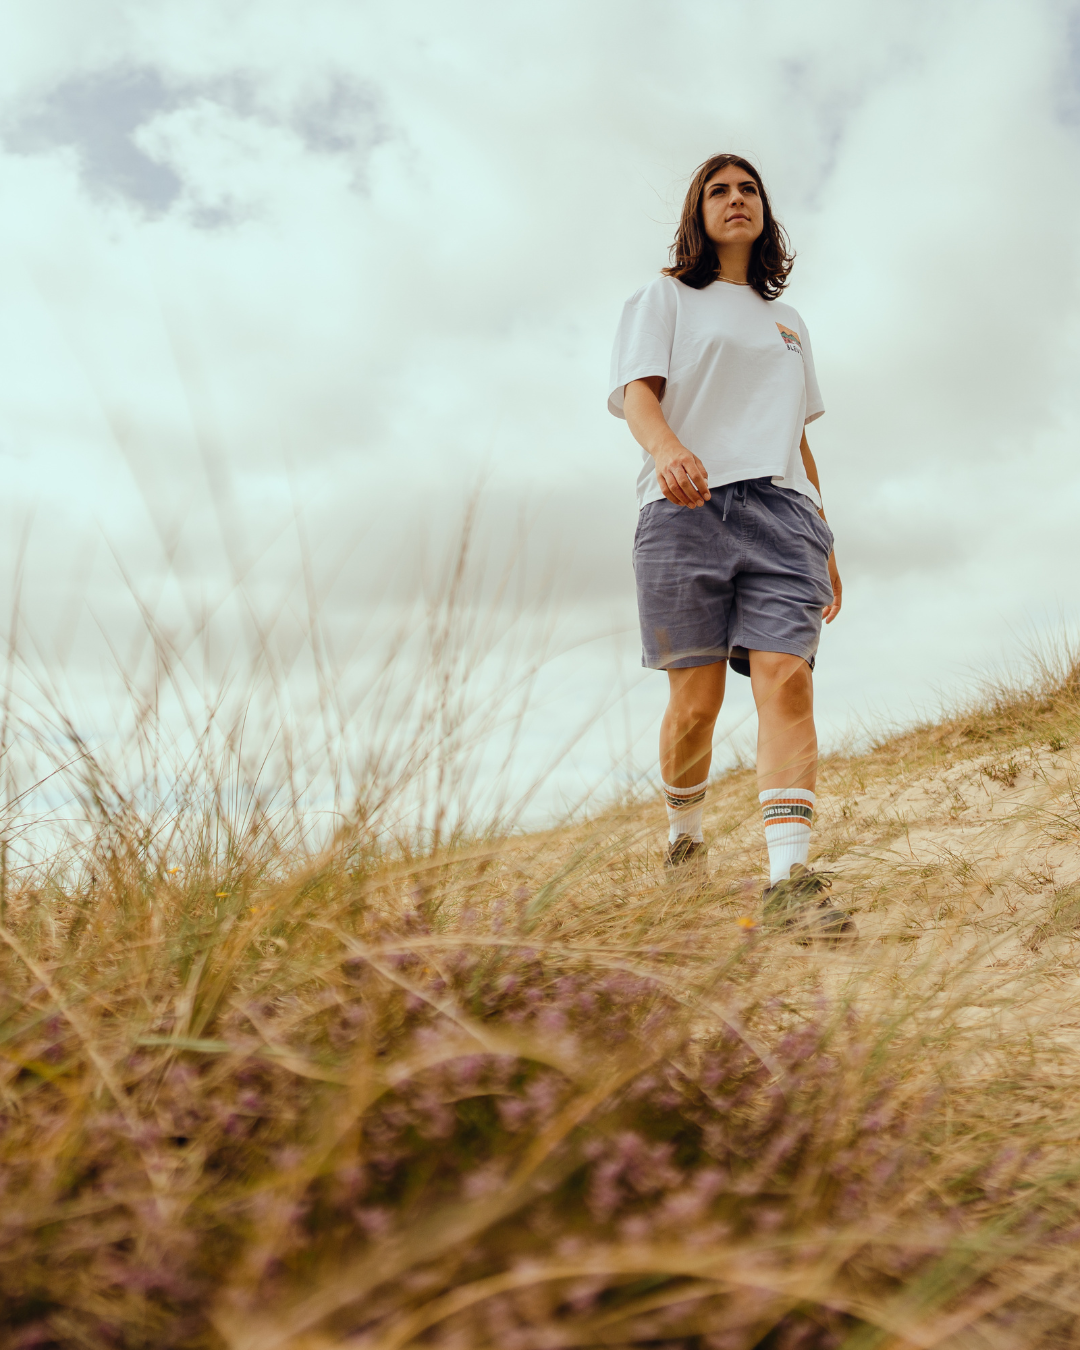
(814, 405)
(643, 340)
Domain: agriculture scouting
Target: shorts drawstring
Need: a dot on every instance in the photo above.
(736, 490)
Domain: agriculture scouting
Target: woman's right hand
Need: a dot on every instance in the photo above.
(681, 475)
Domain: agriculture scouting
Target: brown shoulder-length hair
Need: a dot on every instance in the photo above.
(693, 254)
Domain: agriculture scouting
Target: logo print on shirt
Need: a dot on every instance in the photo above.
(791, 339)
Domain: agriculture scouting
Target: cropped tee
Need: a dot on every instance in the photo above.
(740, 379)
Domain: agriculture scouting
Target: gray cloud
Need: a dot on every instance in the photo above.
(345, 119)
(98, 115)
(1069, 94)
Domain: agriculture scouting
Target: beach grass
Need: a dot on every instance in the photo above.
(462, 1087)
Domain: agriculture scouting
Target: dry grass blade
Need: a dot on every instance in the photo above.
(394, 1083)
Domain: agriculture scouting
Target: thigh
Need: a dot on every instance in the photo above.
(684, 591)
(698, 691)
(771, 672)
(784, 582)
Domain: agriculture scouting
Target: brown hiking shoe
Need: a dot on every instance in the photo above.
(801, 906)
(686, 860)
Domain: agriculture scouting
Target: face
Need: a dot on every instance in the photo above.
(731, 207)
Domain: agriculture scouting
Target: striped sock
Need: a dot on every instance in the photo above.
(787, 814)
(685, 807)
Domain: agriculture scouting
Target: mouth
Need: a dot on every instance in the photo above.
(731, 219)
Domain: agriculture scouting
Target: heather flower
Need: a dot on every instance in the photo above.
(270, 1174)
(435, 1121)
(635, 1227)
(513, 1113)
(483, 1181)
(373, 1221)
(468, 1069)
(349, 1182)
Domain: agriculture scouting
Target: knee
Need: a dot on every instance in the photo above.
(783, 680)
(694, 714)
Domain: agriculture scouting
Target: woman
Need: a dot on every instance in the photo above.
(733, 556)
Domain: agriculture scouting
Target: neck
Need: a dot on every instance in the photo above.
(734, 260)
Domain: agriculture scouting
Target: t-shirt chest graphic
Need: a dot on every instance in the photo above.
(701, 334)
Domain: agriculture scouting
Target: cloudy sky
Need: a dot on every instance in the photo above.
(282, 285)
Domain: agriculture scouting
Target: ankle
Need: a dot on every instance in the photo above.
(685, 808)
(787, 815)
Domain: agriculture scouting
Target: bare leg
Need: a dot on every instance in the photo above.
(695, 698)
(783, 688)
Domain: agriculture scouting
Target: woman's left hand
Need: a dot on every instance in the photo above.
(831, 611)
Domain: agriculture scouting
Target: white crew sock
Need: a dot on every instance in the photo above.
(685, 807)
(787, 814)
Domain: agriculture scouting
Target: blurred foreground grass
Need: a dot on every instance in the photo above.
(514, 1092)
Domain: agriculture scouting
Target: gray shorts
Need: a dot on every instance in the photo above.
(746, 571)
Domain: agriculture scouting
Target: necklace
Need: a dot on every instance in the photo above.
(733, 283)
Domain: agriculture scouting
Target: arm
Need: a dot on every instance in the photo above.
(680, 473)
(830, 611)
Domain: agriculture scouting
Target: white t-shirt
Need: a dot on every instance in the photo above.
(740, 379)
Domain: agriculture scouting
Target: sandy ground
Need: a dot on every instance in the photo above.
(963, 877)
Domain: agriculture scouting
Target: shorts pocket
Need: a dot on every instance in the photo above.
(645, 530)
(639, 525)
(821, 528)
(659, 519)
